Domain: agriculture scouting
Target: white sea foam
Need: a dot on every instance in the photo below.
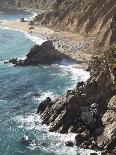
(43, 136)
(1, 62)
(34, 14)
(75, 73)
(33, 122)
(45, 95)
(28, 122)
(33, 38)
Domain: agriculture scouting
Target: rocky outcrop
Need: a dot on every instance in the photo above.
(108, 138)
(88, 110)
(43, 54)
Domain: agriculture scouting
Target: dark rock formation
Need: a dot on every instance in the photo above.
(43, 54)
(22, 19)
(69, 143)
(88, 110)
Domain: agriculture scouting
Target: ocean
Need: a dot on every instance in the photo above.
(18, 104)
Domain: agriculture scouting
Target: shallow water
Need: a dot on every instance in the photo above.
(18, 86)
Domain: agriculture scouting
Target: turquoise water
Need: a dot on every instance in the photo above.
(18, 85)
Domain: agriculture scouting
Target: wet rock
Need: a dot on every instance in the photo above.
(6, 62)
(69, 143)
(27, 142)
(79, 139)
(22, 19)
(86, 134)
(37, 95)
(13, 61)
(44, 104)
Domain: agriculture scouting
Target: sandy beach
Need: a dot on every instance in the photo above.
(73, 45)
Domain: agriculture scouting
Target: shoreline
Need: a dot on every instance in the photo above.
(73, 45)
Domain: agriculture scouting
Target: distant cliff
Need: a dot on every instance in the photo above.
(39, 4)
(90, 18)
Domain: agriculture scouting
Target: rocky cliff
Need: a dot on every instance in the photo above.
(89, 110)
(91, 17)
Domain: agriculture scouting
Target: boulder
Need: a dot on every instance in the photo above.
(69, 143)
(22, 19)
(79, 138)
(43, 54)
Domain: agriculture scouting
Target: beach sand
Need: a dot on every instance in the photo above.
(83, 57)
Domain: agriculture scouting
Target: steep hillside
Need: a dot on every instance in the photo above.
(39, 4)
(90, 17)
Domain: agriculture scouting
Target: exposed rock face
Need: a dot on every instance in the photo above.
(91, 17)
(88, 110)
(44, 54)
(108, 138)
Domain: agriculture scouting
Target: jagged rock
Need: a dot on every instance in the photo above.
(108, 138)
(69, 143)
(43, 54)
(44, 104)
(13, 61)
(79, 138)
(86, 134)
(86, 111)
(112, 103)
(87, 117)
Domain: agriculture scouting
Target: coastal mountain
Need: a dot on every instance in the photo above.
(93, 18)
(90, 18)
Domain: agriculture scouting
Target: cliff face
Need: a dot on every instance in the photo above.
(89, 110)
(91, 17)
(39, 4)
